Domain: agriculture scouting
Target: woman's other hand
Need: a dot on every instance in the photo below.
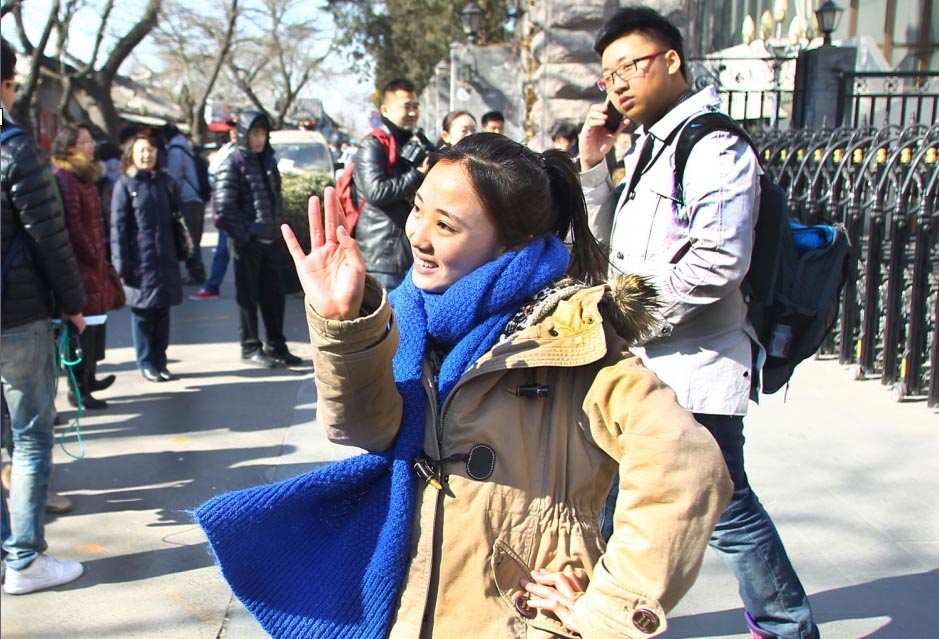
(333, 274)
(555, 592)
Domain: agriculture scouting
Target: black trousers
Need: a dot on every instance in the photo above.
(194, 212)
(92, 342)
(258, 286)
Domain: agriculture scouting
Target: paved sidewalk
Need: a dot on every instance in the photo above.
(850, 477)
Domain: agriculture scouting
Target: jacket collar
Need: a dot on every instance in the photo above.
(705, 99)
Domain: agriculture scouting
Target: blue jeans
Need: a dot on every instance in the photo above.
(150, 328)
(747, 542)
(28, 371)
(219, 265)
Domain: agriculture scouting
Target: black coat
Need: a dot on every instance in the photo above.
(46, 275)
(247, 190)
(389, 196)
(143, 248)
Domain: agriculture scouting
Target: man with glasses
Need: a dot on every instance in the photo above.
(693, 241)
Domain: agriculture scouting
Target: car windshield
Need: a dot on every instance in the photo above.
(302, 156)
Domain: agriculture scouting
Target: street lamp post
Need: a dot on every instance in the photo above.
(471, 19)
(828, 15)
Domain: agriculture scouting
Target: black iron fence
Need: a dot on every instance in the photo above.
(757, 92)
(883, 185)
(885, 98)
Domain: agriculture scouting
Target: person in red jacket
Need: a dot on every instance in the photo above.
(77, 173)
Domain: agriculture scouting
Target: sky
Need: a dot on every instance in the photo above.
(344, 93)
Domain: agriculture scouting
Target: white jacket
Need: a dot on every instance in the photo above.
(696, 254)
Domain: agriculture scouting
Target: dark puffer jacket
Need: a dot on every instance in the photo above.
(77, 184)
(247, 189)
(389, 196)
(143, 248)
(47, 273)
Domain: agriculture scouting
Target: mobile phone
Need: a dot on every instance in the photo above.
(613, 117)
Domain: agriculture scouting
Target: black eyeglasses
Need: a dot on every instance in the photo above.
(625, 71)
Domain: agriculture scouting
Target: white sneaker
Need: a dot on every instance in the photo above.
(44, 572)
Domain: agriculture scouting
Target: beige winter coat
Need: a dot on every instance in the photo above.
(556, 457)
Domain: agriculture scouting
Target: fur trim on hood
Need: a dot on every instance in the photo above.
(82, 168)
(630, 304)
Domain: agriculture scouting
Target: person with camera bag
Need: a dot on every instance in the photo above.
(387, 174)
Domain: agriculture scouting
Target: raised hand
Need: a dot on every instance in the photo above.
(333, 274)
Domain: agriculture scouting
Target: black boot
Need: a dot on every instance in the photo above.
(84, 391)
(88, 402)
(101, 384)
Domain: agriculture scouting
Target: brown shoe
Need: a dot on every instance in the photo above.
(58, 504)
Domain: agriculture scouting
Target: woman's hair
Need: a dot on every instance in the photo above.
(451, 117)
(448, 121)
(66, 138)
(529, 195)
(127, 160)
(646, 22)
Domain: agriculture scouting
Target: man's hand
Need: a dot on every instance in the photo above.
(78, 321)
(554, 591)
(595, 140)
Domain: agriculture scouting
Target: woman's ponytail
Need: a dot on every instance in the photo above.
(588, 258)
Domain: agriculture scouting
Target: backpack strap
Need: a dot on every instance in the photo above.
(694, 131)
(9, 132)
(388, 141)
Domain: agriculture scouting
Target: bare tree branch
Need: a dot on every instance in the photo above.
(131, 39)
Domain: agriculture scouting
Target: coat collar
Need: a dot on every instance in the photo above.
(705, 99)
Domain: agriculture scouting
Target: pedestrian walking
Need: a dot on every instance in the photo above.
(39, 272)
(77, 174)
(144, 252)
(181, 166)
(220, 258)
(694, 240)
(496, 395)
(248, 200)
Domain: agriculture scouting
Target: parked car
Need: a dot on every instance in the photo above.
(302, 152)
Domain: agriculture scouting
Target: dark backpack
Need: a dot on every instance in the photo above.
(204, 186)
(350, 200)
(793, 285)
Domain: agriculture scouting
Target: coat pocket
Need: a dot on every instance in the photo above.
(508, 569)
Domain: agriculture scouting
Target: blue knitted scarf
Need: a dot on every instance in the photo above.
(324, 554)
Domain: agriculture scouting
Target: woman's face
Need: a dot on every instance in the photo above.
(84, 145)
(461, 127)
(144, 155)
(450, 233)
